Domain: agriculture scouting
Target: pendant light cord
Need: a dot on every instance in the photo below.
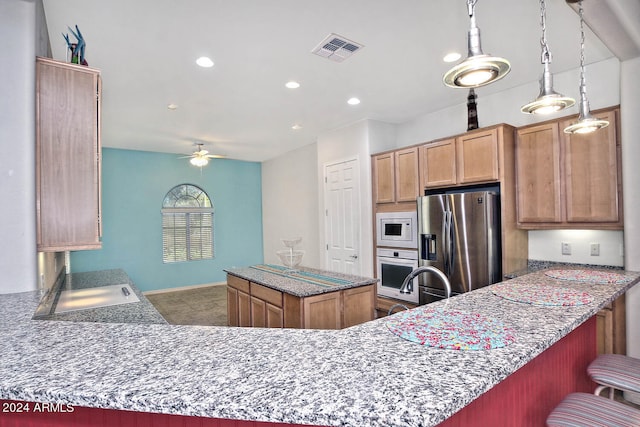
(583, 82)
(546, 55)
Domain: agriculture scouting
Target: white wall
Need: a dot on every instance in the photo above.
(630, 99)
(18, 46)
(290, 204)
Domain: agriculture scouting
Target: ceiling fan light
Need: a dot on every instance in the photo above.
(199, 161)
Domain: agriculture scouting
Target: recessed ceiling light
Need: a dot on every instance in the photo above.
(353, 101)
(172, 106)
(296, 127)
(204, 62)
(452, 57)
(292, 85)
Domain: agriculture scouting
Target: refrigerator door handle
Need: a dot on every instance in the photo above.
(447, 245)
(451, 250)
(445, 255)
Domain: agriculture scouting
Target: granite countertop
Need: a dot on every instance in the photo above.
(300, 284)
(363, 375)
(137, 312)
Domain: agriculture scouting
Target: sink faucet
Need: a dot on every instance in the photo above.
(407, 285)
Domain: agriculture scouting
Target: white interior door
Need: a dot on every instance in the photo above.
(342, 217)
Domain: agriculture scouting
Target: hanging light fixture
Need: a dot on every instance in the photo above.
(586, 122)
(478, 69)
(548, 101)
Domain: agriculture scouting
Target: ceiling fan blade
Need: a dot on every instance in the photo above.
(215, 156)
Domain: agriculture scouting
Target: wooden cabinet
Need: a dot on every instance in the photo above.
(322, 311)
(611, 328)
(395, 176)
(251, 304)
(238, 302)
(471, 158)
(569, 181)
(358, 305)
(266, 307)
(477, 156)
(438, 164)
(538, 174)
(67, 156)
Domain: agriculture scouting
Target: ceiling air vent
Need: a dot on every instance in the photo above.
(336, 48)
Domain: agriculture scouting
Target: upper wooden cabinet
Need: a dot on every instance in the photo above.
(477, 156)
(67, 156)
(467, 159)
(395, 176)
(569, 181)
(438, 160)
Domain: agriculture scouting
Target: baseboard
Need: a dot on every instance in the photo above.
(183, 288)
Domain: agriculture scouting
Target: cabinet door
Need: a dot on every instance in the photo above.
(67, 157)
(384, 183)
(438, 163)
(322, 311)
(358, 305)
(274, 316)
(538, 174)
(591, 173)
(244, 309)
(258, 312)
(406, 175)
(477, 157)
(232, 306)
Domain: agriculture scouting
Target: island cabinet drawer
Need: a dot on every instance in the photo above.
(238, 283)
(266, 294)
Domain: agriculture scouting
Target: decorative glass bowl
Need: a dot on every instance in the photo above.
(290, 243)
(290, 258)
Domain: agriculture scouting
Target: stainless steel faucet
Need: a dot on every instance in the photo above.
(407, 285)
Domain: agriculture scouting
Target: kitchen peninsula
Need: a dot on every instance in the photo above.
(364, 375)
(271, 296)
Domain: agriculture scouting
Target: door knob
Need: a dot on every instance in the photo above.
(354, 256)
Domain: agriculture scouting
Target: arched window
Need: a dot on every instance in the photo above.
(187, 224)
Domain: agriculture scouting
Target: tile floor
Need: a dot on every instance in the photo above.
(205, 306)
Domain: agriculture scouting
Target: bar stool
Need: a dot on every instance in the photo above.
(588, 410)
(615, 372)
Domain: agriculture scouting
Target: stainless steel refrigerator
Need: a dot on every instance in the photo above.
(459, 233)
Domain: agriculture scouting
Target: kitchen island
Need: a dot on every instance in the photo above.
(272, 296)
(359, 376)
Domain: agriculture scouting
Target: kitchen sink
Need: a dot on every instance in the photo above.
(103, 296)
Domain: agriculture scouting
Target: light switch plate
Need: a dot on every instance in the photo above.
(566, 248)
(595, 249)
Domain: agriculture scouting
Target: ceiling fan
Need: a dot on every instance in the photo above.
(201, 157)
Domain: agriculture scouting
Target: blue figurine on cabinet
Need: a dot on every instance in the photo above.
(77, 49)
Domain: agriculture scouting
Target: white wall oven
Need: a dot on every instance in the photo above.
(397, 229)
(393, 266)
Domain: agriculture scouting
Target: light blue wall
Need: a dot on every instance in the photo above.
(133, 186)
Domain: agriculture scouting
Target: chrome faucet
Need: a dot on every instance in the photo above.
(407, 285)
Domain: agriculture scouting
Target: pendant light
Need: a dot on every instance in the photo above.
(586, 122)
(478, 69)
(548, 101)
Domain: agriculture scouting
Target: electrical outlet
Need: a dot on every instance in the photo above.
(595, 249)
(566, 248)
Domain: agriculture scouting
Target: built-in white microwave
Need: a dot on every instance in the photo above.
(397, 229)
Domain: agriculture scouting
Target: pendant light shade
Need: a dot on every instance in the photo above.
(548, 101)
(478, 69)
(586, 122)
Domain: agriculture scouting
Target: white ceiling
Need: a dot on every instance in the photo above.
(146, 51)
